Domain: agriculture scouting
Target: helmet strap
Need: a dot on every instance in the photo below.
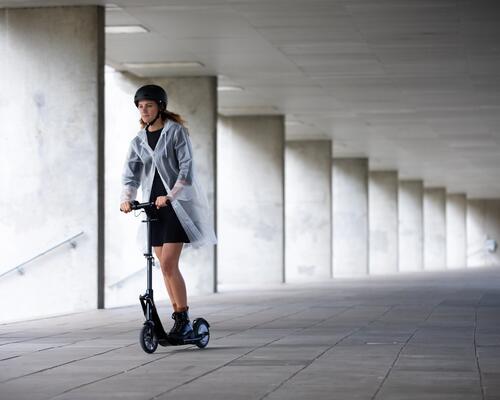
(153, 121)
(161, 107)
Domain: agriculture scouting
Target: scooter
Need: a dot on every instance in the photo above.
(152, 332)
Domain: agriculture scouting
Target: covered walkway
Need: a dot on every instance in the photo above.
(433, 336)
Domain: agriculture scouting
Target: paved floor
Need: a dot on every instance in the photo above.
(421, 336)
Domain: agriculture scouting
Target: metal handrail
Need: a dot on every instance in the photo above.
(487, 247)
(121, 281)
(19, 268)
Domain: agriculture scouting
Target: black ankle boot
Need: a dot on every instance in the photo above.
(182, 328)
(175, 328)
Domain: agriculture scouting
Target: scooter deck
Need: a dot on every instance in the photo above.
(174, 342)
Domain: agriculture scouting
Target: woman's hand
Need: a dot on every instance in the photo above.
(161, 201)
(126, 207)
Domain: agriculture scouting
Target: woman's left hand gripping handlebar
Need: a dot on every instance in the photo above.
(161, 201)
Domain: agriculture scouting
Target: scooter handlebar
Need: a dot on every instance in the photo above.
(135, 205)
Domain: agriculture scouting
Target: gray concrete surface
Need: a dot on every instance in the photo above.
(483, 224)
(383, 222)
(456, 231)
(350, 217)
(411, 223)
(250, 200)
(52, 66)
(308, 210)
(430, 335)
(434, 229)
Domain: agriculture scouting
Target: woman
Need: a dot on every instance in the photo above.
(160, 158)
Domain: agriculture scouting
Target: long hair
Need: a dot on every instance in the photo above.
(164, 115)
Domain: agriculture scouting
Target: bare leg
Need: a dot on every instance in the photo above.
(158, 252)
(169, 262)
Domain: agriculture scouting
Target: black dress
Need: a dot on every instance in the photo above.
(168, 228)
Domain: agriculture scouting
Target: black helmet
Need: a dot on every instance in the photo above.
(151, 92)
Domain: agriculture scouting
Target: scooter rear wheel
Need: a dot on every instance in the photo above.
(201, 329)
(148, 339)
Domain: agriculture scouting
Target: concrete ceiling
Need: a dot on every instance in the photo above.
(412, 84)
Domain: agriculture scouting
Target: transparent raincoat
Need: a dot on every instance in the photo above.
(173, 158)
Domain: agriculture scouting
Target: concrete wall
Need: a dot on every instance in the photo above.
(410, 211)
(308, 211)
(456, 235)
(250, 179)
(350, 217)
(51, 108)
(483, 223)
(383, 222)
(195, 99)
(434, 228)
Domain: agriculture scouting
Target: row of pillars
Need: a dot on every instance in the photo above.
(340, 219)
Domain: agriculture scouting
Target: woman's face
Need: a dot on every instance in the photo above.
(148, 109)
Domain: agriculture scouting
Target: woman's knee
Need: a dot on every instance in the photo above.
(169, 265)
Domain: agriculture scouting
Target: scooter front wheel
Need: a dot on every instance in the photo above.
(148, 339)
(202, 331)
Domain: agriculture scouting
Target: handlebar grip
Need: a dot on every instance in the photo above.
(135, 205)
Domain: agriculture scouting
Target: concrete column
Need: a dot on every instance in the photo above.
(51, 108)
(410, 211)
(195, 99)
(350, 217)
(434, 228)
(250, 178)
(383, 222)
(483, 231)
(308, 210)
(456, 236)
